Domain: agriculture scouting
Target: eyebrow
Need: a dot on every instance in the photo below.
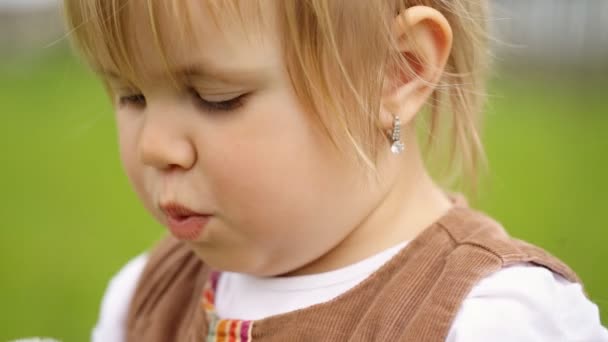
(202, 72)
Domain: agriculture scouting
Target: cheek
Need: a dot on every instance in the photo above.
(269, 155)
(127, 143)
(275, 177)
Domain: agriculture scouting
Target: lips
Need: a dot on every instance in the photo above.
(175, 209)
(183, 222)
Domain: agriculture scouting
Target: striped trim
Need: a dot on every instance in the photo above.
(222, 330)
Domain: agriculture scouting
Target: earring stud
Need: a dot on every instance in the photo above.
(397, 145)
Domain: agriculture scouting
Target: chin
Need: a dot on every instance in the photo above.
(222, 261)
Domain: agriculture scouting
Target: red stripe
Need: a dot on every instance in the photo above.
(232, 333)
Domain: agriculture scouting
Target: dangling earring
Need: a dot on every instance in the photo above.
(397, 145)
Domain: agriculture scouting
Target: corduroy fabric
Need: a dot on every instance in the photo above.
(413, 297)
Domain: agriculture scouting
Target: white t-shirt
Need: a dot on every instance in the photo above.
(521, 303)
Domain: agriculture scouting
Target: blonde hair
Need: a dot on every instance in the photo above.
(337, 53)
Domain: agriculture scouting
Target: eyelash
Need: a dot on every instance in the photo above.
(220, 106)
(232, 104)
(133, 99)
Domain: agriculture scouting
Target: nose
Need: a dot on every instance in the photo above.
(164, 144)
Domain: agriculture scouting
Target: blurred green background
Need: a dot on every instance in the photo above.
(70, 219)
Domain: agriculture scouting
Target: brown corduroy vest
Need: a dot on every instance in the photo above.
(413, 297)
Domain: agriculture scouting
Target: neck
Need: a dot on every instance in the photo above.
(410, 202)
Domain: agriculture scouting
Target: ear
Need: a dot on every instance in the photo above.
(424, 37)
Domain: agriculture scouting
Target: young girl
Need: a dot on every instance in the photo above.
(276, 140)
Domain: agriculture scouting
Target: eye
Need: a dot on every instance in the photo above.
(219, 106)
(138, 100)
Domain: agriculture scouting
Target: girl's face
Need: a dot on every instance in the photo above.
(280, 196)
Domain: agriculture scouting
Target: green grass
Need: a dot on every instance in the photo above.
(70, 218)
(547, 147)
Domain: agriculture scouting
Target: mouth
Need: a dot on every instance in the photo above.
(184, 223)
(178, 210)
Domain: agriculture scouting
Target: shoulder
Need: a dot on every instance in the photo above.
(475, 234)
(116, 300)
(524, 302)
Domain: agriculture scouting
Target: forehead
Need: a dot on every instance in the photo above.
(160, 37)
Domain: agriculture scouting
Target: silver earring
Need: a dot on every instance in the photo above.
(397, 145)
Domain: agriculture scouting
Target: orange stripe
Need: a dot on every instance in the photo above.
(221, 331)
(209, 297)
